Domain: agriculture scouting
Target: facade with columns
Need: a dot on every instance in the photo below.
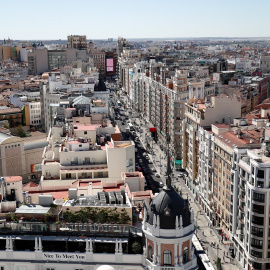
(47, 250)
(37, 258)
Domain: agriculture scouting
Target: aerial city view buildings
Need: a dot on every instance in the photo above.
(130, 145)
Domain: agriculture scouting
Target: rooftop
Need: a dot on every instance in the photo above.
(32, 209)
(13, 178)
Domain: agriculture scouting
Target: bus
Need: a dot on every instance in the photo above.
(203, 261)
(131, 128)
(197, 245)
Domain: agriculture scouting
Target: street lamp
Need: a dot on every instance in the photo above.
(217, 251)
(199, 211)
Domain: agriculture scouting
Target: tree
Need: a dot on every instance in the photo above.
(218, 264)
(20, 132)
(136, 247)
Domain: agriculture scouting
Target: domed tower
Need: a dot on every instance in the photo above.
(168, 226)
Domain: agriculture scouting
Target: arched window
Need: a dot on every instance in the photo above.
(185, 255)
(150, 253)
(167, 258)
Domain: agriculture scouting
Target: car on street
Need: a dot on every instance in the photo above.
(180, 175)
(146, 157)
(160, 184)
(153, 169)
(150, 161)
(157, 175)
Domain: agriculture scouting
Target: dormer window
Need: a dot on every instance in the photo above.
(167, 211)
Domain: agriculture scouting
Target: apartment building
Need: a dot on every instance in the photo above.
(33, 114)
(38, 60)
(265, 63)
(99, 59)
(21, 156)
(220, 109)
(250, 226)
(14, 116)
(77, 42)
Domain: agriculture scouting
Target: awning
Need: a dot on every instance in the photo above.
(55, 238)
(78, 239)
(26, 237)
(110, 240)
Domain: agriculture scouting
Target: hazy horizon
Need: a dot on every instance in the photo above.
(152, 19)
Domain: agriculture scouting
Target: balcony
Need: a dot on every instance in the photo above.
(258, 210)
(257, 220)
(242, 209)
(258, 199)
(85, 167)
(257, 233)
(258, 246)
(243, 187)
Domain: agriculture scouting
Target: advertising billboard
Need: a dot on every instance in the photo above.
(109, 64)
(36, 168)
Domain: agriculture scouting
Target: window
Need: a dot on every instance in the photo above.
(260, 173)
(256, 243)
(85, 132)
(167, 258)
(22, 268)
(258, 197)
(257, 231)
(185, 255)
(150, 253)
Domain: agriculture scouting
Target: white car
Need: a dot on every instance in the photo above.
(153, 169)
(157, 175)
(180, 175)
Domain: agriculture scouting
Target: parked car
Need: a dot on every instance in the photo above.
(161, 184)
(153, 169)
(157, 175)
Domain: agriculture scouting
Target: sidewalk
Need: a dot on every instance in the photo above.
(206, 234)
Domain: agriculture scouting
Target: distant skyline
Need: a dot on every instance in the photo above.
(36, 20)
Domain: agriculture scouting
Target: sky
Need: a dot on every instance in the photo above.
(102, 19)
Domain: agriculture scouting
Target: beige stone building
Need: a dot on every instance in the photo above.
(21, 156)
